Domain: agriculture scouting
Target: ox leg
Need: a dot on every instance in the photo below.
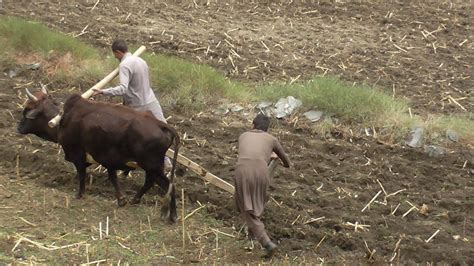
(118, 191)
(149, 181)
(168, 210)
(77, 156)
(81, 176)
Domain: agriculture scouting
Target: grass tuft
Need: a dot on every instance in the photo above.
(463, 124)
(190, 85)
(28, 36)
(354, 104)
(64, 59)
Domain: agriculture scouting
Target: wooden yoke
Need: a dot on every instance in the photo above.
(86, 95)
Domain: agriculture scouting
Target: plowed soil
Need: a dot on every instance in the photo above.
(421, 51)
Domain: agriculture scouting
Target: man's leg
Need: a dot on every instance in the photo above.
(256, 228)
(155, 109)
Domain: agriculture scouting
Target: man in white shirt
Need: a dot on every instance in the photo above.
(134, 84)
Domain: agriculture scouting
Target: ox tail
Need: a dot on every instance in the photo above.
(174, 138)
(168, 211)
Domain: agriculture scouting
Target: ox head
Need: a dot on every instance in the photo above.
(39, 109)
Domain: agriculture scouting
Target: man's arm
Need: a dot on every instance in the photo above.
(121, 89)
(278, 149)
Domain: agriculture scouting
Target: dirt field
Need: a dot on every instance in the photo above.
(417, 51)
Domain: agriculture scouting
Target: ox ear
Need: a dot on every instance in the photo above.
(32, 114)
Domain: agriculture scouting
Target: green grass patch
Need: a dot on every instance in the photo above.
(358, 103)
(463, 124)
(64, 59)
(190, 85)
(28, 36)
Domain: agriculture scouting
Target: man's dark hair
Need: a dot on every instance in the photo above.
(261, 122)
(119, 45)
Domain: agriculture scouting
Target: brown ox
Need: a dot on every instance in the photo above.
(112, 134)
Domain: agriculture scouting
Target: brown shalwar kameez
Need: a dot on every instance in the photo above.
(252, 178)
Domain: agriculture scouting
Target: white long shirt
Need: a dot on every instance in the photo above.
(134, 82)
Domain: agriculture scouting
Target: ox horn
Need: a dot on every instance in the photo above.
(31, 96)
(43, 89)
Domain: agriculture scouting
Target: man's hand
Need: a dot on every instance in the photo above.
(97, 92)
(273, 156)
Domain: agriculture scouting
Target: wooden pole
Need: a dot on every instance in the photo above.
(196, 168)
(182, 219)
(272, 165)
(86, 95)
(206, 175)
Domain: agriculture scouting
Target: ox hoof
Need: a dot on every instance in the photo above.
(166, 216)
(165, 213)
(172, 219)
(78, 195)
(122, 202)
(135, 201)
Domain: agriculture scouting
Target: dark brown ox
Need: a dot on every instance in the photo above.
(113, 135)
